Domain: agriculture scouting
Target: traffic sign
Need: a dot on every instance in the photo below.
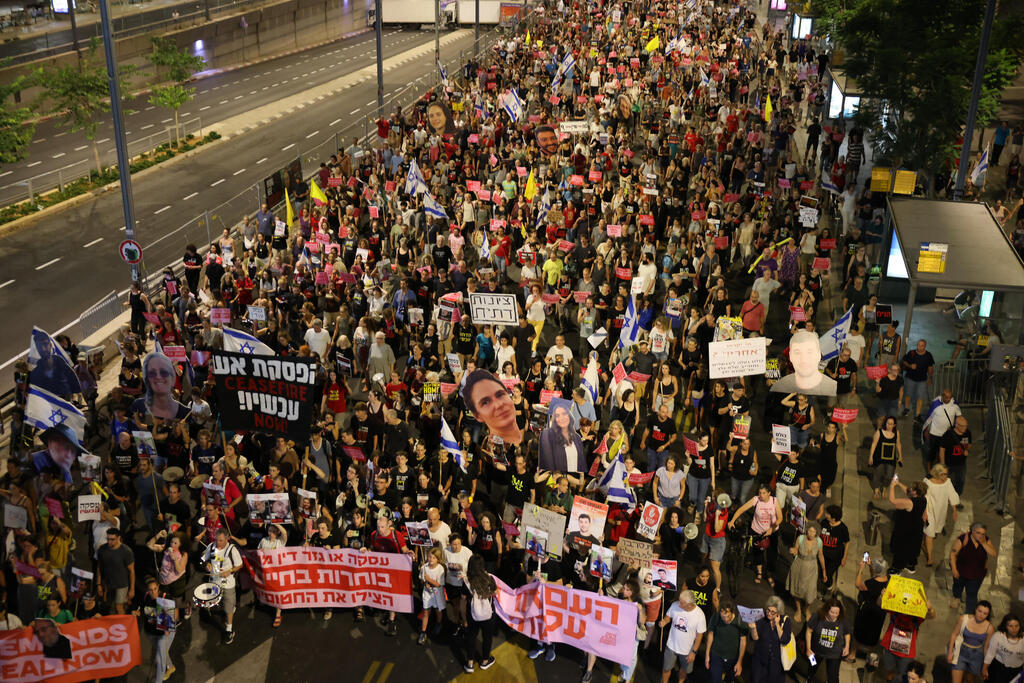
(130, 251)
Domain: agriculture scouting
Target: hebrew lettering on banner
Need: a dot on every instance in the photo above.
(558, 614)
(265, 394)
(320, 577)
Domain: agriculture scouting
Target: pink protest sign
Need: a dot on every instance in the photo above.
(152, 318)
(624, 273)
(576, 180)
(554, 99)
(580, 297)
(322, 238)
(171, 286)
(534, 118)
(690, 446)
(353, 181)
(389, 186)
(844, 415)
(521, 171)
(546, 395)
(374, 212)
(806, 184)
(176, 353)
(321, 278)
(485, 195)
(347, 278)
(828, 243)
(473, 138)
(55, 508)
(797, 314)
(355, 453)
(594, 176)
(220, 316)
(619, 373)
(509, 383)
(698, 215)
(313, 247)
(821, 263)
(722, 242)
(730, 198)
(876, 372)
(638, 377)
(549, 298)
(565, 245)
(784, 182)
(473, 185)
(581, 99)
(615, 231)
(646, 219)
(448, 387)
(335, 181)
(640, 479)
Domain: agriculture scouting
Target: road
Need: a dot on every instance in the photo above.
(63, 265)
(217, 98)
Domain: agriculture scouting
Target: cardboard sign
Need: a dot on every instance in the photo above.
(737, 357)
(906, 596)
(821, 263)
(493, 308)
(780, 439)
(637, 553)
(550, 522)
(88, 508)
(257, 313)
(220, 316)
(844, 415)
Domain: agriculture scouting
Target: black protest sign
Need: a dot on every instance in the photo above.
(265, 393)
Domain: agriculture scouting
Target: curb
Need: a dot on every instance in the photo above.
(28, 221)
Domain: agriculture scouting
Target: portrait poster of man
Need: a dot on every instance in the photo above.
(272, 508)
(55, 644)
(489, 401)
(61, 450)
(547, 140)
(159, 377)
(664, 572)
(806, 378)
(418, 534)
(561, 449)
(536, 542)
(586, 522)
(51, 366)
(601, 562)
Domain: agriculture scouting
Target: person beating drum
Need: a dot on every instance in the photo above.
(222, 560)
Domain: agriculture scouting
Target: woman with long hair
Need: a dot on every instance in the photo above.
(764, 525)
(481, 588)
(1004, 655)
(828, 637)
(561, 449)
(172, 568)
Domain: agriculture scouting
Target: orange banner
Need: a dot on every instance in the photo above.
(102, 647)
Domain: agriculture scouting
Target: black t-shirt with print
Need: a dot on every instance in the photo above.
(956, 447)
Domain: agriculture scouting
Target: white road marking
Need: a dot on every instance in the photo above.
(34, 163)
(218, 182)
(204, 108)
(314, 133)
(6, 173)
(253, 92)
(370, 103)
(147, 126)
(39, 140)
(261, 161)
(121, 228)
(285, 149)
(169, 120)
(95, 241)
(6, 283)
(158, 211)
(203, 92)
(79, 149)
(355, 111)
(100, 142)
(60, 134)
(48, 263)
(238, 97)
(185, 199)
(58, 156)
(239, 171)
(335, 122)
(223, 102)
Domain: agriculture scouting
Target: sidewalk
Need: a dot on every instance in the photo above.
(84, 17)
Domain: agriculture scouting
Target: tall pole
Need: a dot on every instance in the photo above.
(123, 165)
(972, 111)
(437, 40)
(476, 28)
(74, 26)
(380, 62)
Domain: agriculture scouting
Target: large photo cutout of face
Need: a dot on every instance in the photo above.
(62, 449)
(55, 644)
(159, 376)
(491, 404)
(805, 356)
(561, 449)
(547, 140)
(440, 118)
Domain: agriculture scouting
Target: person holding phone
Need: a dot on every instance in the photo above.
(828, 640)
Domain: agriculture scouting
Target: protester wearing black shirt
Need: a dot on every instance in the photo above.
(953, 450)
(835, 540)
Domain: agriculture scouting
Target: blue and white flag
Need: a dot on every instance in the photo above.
(51, 365)
(564, 68)
(444, 73)
(980, 170)
(704, 80)
(481, 111)
(828, 185)
(512, 105)
(449, 443)
(485, 249)
(590, 379)
(414, 182)
(45, 410)
(42, 344)
(833, 341)
(615, 483)
(240, 342)
(631, 325)
(433, 207)
(543, 209)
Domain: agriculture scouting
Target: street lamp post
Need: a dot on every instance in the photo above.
(972, 111)
(123, 162)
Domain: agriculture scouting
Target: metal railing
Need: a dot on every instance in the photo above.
(57, 179)
(1000, 433)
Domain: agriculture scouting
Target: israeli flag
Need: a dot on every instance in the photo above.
(704, 80)
(590, 380)
(45, 410)
(432, 207)
(485, 249)
(444, 73)
(414, 182)
(449, 443)
(480, 111)
(631, 325)
(563, 70)
(512, 105)
(615, 483)
(980, 170)
(827, 184)
(240, 342)
(832, 342)
(543, 209)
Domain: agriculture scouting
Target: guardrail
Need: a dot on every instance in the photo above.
(1003, 389)
(57, 179)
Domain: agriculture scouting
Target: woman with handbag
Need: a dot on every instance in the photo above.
(968, 641)
(774, 645)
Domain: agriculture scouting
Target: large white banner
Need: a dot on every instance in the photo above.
(737, 357)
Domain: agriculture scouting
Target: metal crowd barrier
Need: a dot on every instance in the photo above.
(999, 439)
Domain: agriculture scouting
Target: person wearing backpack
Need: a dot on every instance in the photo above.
(481, 614)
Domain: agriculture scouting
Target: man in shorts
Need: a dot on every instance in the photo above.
(222, 560)
(684, 638)
(115, 574)
(713, 543)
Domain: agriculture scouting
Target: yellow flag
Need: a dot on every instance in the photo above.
(527, 37)
(653, 44)
(531, 188)
(290, 216)
(768, 110)
(317, 194)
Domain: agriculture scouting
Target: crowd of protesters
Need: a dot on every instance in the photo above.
(673, 222)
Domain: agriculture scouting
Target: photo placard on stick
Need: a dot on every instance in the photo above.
(547, 521)
(780, 439)
(665, 573)
(650, 520)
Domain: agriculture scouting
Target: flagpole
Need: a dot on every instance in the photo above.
(437, 37)
(972, 111)
(380, 61)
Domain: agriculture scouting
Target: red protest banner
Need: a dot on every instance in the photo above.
(844, 415)
(101, 647)
(220, 316)
(640, 479)
(797, 314)
(576, 180)
(624, 273)
(822, 263)
(594, 176)
(619, 373)
(580, 297)
(876, 372)
(299, 577)
(828, 243)
(646, 218)
(722, 242)
(549, 298)
(638, 377)
(690, 446)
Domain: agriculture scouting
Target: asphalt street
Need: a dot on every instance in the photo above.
(52, 271)
(217, 97)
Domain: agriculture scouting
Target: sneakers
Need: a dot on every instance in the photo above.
(188, 612)
(468, 668)
(587, 675)
(550, 656)
(230, 637)
(487, 663)
(169, 673)
(392, 628)
(535, 652)
(422, 639)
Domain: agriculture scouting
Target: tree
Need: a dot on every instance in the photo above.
(15, 129)
(914, 62)
(80, 94)
(180, 65)
(172, 97)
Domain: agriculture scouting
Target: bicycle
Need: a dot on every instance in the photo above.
(739, 542)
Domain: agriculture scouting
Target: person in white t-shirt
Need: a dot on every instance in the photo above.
(684, 638)
(317, 338)
(222, 560)
(456, 559)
